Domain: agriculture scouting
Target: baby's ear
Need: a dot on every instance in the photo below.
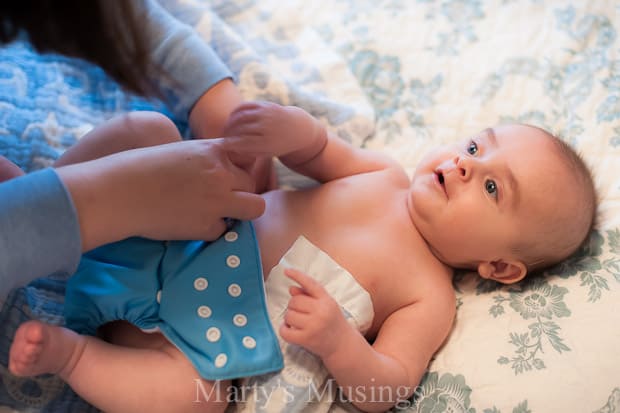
(505, 272)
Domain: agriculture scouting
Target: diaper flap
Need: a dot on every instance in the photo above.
(338, 282)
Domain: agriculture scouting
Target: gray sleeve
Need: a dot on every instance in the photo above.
(191, 64)
(39, 230)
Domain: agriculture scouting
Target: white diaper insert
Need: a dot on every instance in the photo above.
(304, 383)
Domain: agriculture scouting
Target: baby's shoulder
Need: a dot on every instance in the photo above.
(392, 173)
(431, 299)
(423, 324)
(415, 287)
(433, 288)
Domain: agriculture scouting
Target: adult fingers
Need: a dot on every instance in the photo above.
(244, 206)
(241, 179)
(246, 145)
(245, 161)
(213, 231)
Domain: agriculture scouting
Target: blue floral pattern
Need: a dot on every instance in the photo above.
(399, 76)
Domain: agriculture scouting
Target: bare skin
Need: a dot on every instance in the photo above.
(366, 216)
(41, 348)
(377, 189)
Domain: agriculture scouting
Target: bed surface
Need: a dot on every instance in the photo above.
(398, 76)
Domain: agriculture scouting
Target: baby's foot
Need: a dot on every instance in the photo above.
(40, 348)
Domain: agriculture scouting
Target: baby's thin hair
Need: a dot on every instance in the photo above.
(577, 164)
(576, 159)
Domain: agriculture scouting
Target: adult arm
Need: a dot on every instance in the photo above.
(182, 190)
(39, 232)
(195, 78)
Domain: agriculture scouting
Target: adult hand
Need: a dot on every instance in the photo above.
(180, 190)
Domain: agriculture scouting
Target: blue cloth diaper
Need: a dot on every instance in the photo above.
(207, 298)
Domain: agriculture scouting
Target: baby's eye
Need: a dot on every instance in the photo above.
(472, 148)
(491, 187)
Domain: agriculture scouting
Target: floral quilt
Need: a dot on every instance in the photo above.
(398, 76)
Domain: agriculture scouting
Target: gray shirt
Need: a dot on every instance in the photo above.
(39, 230)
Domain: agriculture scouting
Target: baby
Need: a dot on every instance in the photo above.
(358, 269)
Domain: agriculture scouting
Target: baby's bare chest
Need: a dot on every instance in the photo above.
(364, 228)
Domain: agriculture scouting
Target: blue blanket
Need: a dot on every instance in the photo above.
(46, 103)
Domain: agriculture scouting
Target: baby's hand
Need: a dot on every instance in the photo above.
(313, 319)
(269, 129)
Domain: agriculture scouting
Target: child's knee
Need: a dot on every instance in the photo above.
(151, 128)
(8, 170)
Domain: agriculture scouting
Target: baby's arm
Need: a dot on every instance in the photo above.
(397, 359)
(300, 141)
(373, 377)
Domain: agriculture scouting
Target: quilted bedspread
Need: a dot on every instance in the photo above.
(399, 76)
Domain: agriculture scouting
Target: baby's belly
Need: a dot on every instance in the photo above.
(277, 228)
(321, 214)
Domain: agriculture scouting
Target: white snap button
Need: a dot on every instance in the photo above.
(213, 334)
(201, 283)
(240, 320)
(220, 360)
(233, 261)
(204, 311)
(249, 342)
(158, 297)
(231, 236)
(234, 290)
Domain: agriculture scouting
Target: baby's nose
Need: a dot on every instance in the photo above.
(462, 166)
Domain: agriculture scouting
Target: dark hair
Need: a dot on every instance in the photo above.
(104, 32)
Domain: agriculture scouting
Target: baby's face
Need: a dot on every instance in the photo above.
(473, 200)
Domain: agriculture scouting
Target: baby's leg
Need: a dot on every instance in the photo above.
(115, 378)
(121, 133)
(129, 131)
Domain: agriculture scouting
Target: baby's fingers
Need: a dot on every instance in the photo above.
(295, 319)
(293, 335)
(309, 285)
(302, 303)
(245, 113)
(295, 290)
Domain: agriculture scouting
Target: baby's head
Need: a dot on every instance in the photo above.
(505, 202)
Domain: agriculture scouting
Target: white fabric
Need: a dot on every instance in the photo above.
(304, 384)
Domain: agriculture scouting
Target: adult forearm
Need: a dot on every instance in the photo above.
(210, 113)
(96, 189)
(190, 65)
(180, 190)
(39, 233)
